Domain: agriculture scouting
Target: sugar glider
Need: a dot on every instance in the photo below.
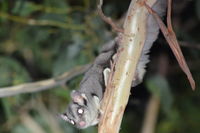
(83, 111)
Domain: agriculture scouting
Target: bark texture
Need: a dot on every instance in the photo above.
(131, 44)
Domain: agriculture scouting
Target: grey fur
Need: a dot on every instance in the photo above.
(152, 34)
(92, 87)
(83, 111)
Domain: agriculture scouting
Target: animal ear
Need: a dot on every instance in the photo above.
(78, 97)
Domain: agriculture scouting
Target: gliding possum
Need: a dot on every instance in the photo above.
(84, 109)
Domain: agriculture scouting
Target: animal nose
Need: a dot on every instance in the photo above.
(82, 124)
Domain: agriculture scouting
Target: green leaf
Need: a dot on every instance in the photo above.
(20, 129)
(24, 8)
(62, 93)
(171, 123)
(7, 108)
(12, 72)
(4, 6)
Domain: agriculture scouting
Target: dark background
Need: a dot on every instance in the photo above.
(40, 39)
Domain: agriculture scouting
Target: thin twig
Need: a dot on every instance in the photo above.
(151, 115)
(44, 84)
(108, 19)
(153, 106)
(169, 14)
(30, 123)
(34, 22)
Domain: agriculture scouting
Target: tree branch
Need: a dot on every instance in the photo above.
(108, 19)
(44, 84)
(150, 117)
(118, 90)
(34, 22)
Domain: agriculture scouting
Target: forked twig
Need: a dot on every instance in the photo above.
(43, 84)
(108, 19)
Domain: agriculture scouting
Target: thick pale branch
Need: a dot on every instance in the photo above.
(42, 85)
(118, 90)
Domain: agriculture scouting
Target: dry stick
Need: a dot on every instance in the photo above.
(118, 90)
(153, 106)
(182, 43)
(44, 84)
(48, 117)
(172, 41)
(107, 19)
(151, 114)
(30, 123)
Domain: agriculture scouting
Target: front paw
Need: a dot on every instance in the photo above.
(106, 74)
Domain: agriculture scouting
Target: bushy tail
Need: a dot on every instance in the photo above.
(152, 34)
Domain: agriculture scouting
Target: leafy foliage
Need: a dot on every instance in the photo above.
(42, 39)
(12, 72)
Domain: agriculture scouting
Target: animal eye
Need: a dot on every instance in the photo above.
(85, 102)
(72, 122)
(80, 111)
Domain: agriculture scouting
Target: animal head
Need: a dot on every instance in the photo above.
(83, 111)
